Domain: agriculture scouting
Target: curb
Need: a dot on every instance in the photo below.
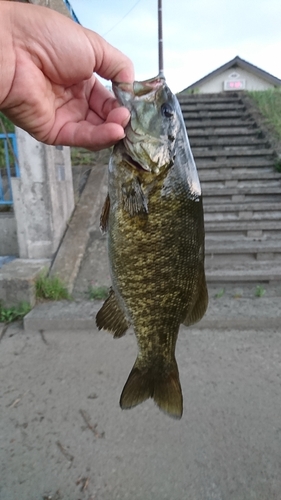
(223, 314)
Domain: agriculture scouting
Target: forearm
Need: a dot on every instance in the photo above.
(7, 53)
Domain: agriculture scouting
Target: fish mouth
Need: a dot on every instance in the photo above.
(136, 164)
(125, 92)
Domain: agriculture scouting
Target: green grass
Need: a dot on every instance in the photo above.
(269, 104)
(260, 291)
(81, 156)
(50, 288)
(9, 127)
(220, 293)
(98, 292)
(278, 164)
(9, 314)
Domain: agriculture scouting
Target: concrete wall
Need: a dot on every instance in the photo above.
(8, 234)
(216, 84)
(43, 196)
(57, 5)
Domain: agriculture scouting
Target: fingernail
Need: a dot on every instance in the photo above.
(126, 120)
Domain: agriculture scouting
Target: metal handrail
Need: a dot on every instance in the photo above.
(70, 8)
(6, 195)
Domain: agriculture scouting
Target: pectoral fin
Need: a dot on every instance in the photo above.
(200, 305)
(105, 214)
(134, 200)
(111, 317)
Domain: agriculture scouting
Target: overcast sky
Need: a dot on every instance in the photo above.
(199, 35)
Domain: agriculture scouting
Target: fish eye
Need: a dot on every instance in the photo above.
(167, 110)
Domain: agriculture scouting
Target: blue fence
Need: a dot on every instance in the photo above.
(8, 167)
(73, 15)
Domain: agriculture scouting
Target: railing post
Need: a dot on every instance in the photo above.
(43, 196)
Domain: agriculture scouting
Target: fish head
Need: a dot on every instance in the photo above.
(152, 130)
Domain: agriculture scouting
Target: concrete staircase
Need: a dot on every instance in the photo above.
(241, 189)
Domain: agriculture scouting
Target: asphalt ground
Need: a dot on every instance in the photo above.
(64, 437)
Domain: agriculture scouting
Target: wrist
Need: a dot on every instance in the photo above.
(7, 53)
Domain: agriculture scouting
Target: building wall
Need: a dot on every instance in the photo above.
(216, 84)
(57, 5)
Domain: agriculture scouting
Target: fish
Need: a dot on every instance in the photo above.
(153, 215)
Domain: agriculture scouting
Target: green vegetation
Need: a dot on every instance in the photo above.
(9, 314)
(81, 156)
(98, 292)
(50, 288)
(269, 104)
(8, 127)
(278, 164)
(220, 293)
(260, 291)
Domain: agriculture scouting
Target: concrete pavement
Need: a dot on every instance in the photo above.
(64, 437)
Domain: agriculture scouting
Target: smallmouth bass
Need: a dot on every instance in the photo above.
(154, 217)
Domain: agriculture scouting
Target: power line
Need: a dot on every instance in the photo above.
(104, 34)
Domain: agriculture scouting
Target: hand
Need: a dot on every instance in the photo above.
(47, 83)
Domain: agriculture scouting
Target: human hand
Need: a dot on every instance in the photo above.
(47, 83)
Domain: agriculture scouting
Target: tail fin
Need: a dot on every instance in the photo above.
(161, 385)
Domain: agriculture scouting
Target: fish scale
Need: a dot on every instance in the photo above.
(154, 218)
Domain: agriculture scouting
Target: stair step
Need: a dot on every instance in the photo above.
(260, 272)
(230, 153)
(223, 198)
(234, 162)
(231, 122)
(211, 115)
(248, 141)
(223, 131)
(243, 186)
(242, 207)
(241, 189)
(222, 246)
(227, 238)
(260, 175)
(239, 216)
(209, 98)
(222, 260)
(192, 107)
(242, 226)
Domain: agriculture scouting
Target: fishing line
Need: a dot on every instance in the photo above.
(104, 34)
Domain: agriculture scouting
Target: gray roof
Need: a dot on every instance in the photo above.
(241, 63)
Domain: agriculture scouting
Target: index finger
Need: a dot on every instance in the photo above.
(110, 63)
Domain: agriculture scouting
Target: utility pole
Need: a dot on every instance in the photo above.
(160, 39)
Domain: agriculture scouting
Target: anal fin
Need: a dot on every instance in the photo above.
(200, 305)
(111, 317)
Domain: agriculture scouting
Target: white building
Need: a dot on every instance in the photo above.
(235, 75)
